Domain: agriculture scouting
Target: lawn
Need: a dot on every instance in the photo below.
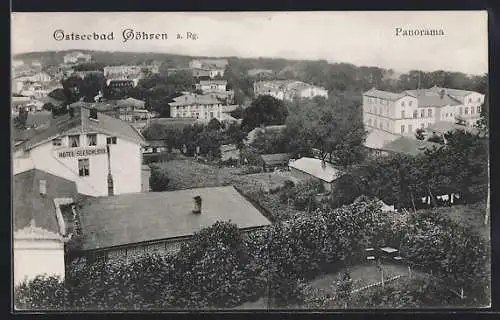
(469, 215)
(362, 275)
(270, 180)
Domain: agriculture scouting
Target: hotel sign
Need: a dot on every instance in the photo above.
(82, 152)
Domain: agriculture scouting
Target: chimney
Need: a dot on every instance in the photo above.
(197, 205)
(441, 94)
(323, 164)
(43, 187)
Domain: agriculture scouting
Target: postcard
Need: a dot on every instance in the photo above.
(250, 160)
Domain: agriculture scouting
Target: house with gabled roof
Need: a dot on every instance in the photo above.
(39, 229)
(100, 153)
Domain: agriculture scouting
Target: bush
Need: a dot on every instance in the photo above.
(42, 293)
(158, 180)
(304, 195)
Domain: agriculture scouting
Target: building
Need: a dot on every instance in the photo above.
(315, 169)
(198, 106)
(17, 63)
(113, 230)
(208, 86)
(122, 72)
(38, 226)
(208, 67)
(392, 115)
(101, 154)
(407, 146)
(252, 135)
(77, 57)
(288, 90)
(274, 161)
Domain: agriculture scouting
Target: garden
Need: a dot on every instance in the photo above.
(287, 265)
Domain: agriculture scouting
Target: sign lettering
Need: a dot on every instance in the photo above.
(82, 153)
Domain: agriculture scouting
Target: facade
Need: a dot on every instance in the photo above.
(212, 86)
(316, 169)
(101, 154)
(402, 114)
(38, 226)
(288, 90)
(201, 107)
(112, 229)
(122, 72)
(208, 67)
(77, 57)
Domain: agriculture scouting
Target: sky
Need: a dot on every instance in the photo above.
(361, 38)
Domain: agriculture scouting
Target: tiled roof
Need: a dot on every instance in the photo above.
(105, 124)
(409, 146)
(29, 205)
(190, 99)
(445, 126)
(141, 217)
(376, 139)
(386, 95)
(452, 92)
(431, 98)
(274, 159)
(315, 168)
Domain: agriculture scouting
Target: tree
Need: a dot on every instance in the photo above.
(265, 110)
(20, 120)
(419, 134)
(235, 135)
(214, 125)
(158, 180)
(344, 287)
(58, 94)
(436, 138)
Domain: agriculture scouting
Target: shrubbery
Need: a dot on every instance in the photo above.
(222, 268)
(158, 180)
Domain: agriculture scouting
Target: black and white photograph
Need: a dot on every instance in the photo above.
(250, 161)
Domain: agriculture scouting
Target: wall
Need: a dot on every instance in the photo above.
(36, 257)
(125, 157)
(304, 176)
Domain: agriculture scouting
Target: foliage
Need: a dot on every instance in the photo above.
(304, 194)
(419, 134)
(212, 269)
(265, 110)
(42, 293)
(270, 142)
(214, 125)
(158, 180)
(435, 138)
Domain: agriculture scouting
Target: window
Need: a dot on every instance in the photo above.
(470, 100)
(402, 114)
(466, 110)
(402, 128)
(92, 139)
(460, 111)
(375, 122)
(410, 103)
(429, 113)
(422, 113)
(111, 140)
(211, 114)
(83, 167)
(74, 141)
(478, 109)
(410, 128)
(57, 142)
(369, 122)
(415, 114)
(478, 99)
(402, 103)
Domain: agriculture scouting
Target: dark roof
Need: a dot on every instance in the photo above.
(29, 204)
(142, 217)
(386, 95)
(409, 146)
(156, 143)
(275, 159)
(105, 124)
(173, 122)
(431, 98)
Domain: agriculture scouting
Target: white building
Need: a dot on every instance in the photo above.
(201, 107)
(77, 57)
(208, 67)
(315, 169)
(100, 153)
(38, 226)
(389, 115)
(212, 86)
(288, 89)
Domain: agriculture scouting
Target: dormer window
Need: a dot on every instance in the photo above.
(57, 142)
